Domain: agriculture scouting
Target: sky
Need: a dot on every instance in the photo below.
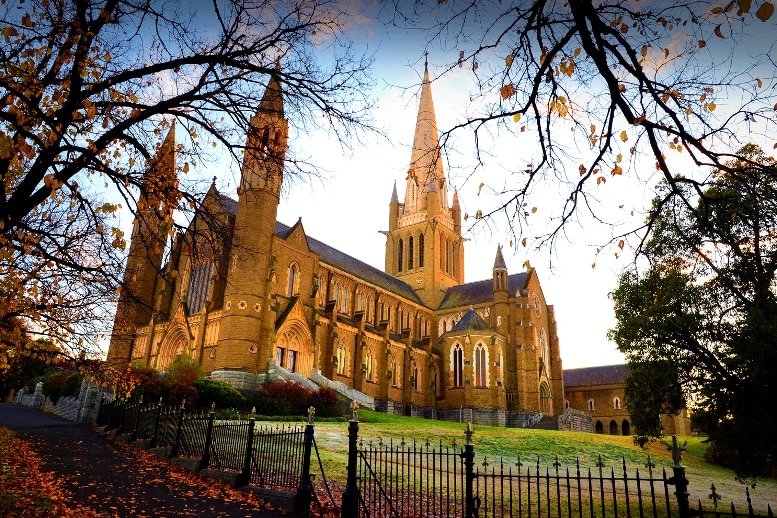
(352, 198)
(348, 205)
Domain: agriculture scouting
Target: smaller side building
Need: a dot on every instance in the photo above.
(600, 392)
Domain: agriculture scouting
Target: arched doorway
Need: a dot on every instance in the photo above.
(599, 427)
(613, 428)
(294, 347)
(175, 342)
(625, 428)
(546, 399)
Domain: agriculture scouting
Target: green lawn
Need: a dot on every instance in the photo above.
(508, 444)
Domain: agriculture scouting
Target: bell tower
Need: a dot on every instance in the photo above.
(142, 275)
(247, 323)
(424, 247)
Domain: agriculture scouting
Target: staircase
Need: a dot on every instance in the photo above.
(548, 422)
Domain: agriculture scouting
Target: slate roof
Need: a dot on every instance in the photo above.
(480, 291)
(363, 271)
(604, 375)
(340, 260)
(471, 320)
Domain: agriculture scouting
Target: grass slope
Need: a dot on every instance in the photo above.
(510, 443)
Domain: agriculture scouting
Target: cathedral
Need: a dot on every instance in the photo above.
(251, 298)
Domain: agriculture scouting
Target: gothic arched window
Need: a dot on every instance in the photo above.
(400, 255)
(410, 252)
(421, 251)
(481, 365)
(457, 365)
(292, 286)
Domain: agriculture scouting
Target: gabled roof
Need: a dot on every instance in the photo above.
(479, 292)
(340, 260)
(471, 320)
(363, 271)
(604, 375)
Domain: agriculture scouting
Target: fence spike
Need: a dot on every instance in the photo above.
(518, 463)
(556, 464)
(714, 496)
(749, 502)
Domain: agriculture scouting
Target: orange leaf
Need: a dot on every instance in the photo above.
(702, 44)
(718, 32)
(765, 11)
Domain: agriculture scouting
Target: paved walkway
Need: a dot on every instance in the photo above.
(119, 480)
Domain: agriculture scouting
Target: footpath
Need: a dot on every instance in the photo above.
(118, 480)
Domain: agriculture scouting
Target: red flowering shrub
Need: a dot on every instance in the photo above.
(293, 393)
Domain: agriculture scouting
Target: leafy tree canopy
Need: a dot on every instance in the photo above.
(88, 91)
(595, 96)
(701, 315)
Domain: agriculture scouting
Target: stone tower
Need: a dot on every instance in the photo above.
(156, 202)
(247, 325)
(424, 247)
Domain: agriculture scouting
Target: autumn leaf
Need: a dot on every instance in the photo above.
(765, 11)
(624, 136)
(507, 91)
(702, 44)
(719, 32)
(509, 60)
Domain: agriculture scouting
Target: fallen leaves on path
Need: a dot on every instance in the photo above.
(28, 491)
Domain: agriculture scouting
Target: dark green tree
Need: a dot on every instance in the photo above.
(702, 314)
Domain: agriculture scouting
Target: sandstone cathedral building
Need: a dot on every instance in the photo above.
(251, 298)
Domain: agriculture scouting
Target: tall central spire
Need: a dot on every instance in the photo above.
(425, 160)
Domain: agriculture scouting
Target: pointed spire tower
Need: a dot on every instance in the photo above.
(156, 203)
(424, 246)
(247, 323)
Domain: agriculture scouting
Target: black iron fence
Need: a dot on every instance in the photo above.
(277, 458)
(400, 480)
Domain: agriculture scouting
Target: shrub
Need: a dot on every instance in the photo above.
(219, 392)
(184, 370)
(72, 385)
(53, 384)
(184, 394)
(289, 397)
(325, 401)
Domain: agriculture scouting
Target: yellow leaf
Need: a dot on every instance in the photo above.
(624, 136)
(765, 11)
(479, 214)
(480, 187)
(517, 117)
(186, 167)
(593, 265)
(533, 210)
(644, 51)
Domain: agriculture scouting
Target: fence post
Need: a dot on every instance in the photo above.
(350, 504)
(305, 489)
(177, 444)
(679, 481)
(245, 475)
(470, 507)
(134, 436)
(205, 459)
(155, 437)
